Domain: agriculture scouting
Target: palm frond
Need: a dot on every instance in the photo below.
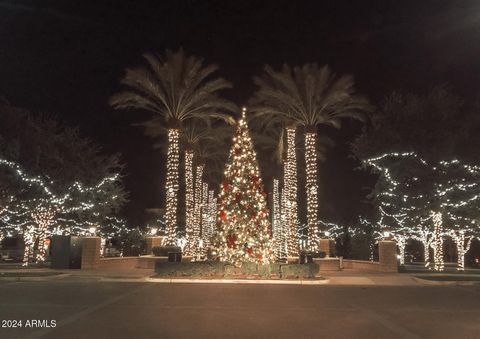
(176, 87)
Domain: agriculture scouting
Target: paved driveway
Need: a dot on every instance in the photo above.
(97, 310)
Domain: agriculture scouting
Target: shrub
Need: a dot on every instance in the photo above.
(162, 251)
(319, 254)
(313, 254)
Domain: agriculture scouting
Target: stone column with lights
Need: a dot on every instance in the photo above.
(91, 252)
(153, 242)
(387, 253)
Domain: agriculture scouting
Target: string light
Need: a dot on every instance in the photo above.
(36, 212)
(189, 204)
(450, 189)
(438, 243)
(463, 246)
(197, 210)
(172, 186)
(290, 191)
(244, 227)
(312, 191)
(213, 211)
(205, 220)
(279, 236)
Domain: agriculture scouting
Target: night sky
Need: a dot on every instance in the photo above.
(66, 58)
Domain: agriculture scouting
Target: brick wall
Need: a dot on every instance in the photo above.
(362, 265)
(118, 262)
(90, 252)
(387, 253)
(153, 242)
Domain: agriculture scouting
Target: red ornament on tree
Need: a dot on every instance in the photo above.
(223, 215)
(231, 240)
(226, 186)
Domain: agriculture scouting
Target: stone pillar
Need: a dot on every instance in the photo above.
(90, 252)
(387, 252)
(153, 242)
(327, 246)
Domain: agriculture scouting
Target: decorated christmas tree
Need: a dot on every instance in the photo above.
(244, 229)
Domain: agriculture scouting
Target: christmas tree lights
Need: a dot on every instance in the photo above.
(244, 228)
(172, 186)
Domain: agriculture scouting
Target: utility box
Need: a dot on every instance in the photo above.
(66, 252)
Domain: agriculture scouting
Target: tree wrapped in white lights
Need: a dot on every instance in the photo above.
(307, 96)
(36, 206)
(244, 233)
(175, 88)
(427, 188)
(189, 202)
(278, 224)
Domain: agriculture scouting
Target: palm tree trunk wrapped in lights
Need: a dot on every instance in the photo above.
(205, 220)
(284, 231)
(312, 190)
(212, 210)
(276, 224)
(279, 232)
(197, 209)
(189, 202)
(290, 189)
(172, 186)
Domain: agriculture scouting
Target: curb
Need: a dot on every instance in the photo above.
(445, 283)
(33, 278)
(237, 281)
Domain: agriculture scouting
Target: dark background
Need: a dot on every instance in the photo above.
(66, 57)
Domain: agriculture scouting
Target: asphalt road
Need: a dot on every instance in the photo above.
(98, 310)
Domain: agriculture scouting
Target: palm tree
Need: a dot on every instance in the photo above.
(271, 139)
(210, 155)
(308, 96)
(192, 134)
(174, 88)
